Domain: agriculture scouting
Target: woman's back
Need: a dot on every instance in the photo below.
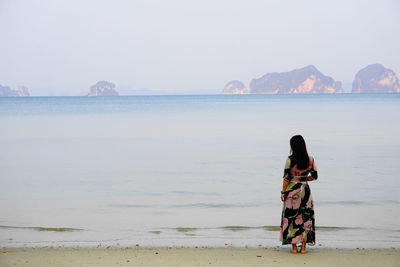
(294, 174)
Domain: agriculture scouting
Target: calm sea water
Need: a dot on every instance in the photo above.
(188, 170)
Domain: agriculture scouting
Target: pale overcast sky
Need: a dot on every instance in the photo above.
(62, 47)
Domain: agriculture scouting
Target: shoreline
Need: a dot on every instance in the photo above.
(236, 236)
(187, 256)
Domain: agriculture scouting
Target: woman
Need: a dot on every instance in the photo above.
(298, 223)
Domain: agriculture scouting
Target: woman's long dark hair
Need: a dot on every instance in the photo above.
(299, 152)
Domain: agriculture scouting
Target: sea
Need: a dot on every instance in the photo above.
(195, 170)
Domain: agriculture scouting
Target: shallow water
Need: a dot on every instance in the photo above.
(132, 169)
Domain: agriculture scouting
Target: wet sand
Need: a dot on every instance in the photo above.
(44, 257)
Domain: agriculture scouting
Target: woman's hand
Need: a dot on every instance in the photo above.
(282, 196)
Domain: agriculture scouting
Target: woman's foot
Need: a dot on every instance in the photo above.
(303, 248)
(294, 249)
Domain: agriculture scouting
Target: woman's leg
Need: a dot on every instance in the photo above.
(303, 247)
(294, 248)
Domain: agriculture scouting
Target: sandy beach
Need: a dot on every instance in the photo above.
(195, 257)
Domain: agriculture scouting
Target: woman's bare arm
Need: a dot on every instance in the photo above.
(286, 174)
(286, 178)
(285, 184)
(314, 172)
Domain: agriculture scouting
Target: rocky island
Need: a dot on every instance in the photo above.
(235, 87)
(7, 91)
(307, 80)
(103, 88)
(376, 78)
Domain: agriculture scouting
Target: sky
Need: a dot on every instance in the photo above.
(62, 47)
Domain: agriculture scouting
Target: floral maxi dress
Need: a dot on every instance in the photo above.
(298, 221)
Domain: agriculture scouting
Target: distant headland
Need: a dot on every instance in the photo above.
(374, 78)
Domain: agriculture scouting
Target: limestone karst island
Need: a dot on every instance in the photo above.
(103, 88)
(7, 91)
